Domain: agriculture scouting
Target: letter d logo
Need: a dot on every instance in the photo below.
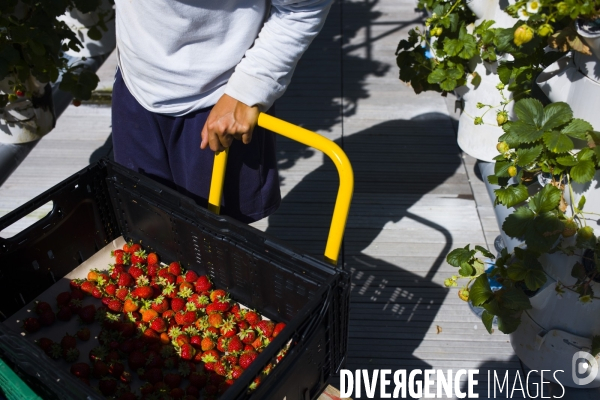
(588, 367)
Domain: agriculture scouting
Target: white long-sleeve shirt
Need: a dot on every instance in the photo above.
(178, 56)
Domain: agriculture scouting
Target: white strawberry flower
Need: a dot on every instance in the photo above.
(523, 14)
(533, 6)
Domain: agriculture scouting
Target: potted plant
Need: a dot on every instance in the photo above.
(476, 53)
(551, 282)
(32, 47)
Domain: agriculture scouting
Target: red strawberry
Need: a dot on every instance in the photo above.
(186, 351)
(142, 292)
(172, 380)
(139, 257)
(217, 294)
(266, 328)
(246, 358)
(278, 328)
(252, 317)
(71, 355)
(136, 360)
(134, 248)
(116, 270)
(191, 276)
(151, 336)
(108, 386)
(135, 271)
(207, 343)
(222, 367)
(248, 336)
(196, 341)
(153, 269)
(63, 299)
(160, 304)
(215, 320)
(210, 357)
(122, 293)
(236, 371)
(152, 258)
(64, 314)
(116, 369)
(159, 325)
(175, 268)
(177, 304)
(126, 329)
(176, 393)
(203, 284)
(222, 343)
(125, 280)
(88, 287)
(100, 369)
(83, 334)
(81, 370)
(97, 354)
(75, 284)
(218, 306)
(237, 312)
(192, 391)
(41, 307)
(235, 345)
(115, 305)
(97, 293)
(68, 342)
(110, 289)
(120, 256)
(45, 344)
(88, 314)
(48, 318)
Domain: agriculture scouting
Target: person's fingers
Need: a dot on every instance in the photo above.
(214, 142)
(204, 137)
(247, 137)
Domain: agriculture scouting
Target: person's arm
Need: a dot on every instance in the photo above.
(264, 73)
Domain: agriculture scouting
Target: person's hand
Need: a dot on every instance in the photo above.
(227, 120)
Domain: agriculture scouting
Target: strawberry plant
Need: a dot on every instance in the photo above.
(32, 45)
(542, 141)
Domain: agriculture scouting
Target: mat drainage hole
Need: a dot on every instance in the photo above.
(36, 265)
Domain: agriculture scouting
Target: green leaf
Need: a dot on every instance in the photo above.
(452, 46)
(530, 111)
(504, 73)
(558, 142)
(578, 272)
(543, 232)
(449, 85)
(508, 324)
(466, 269)
(511, 195)
(459, 256)
(555, 115)
(476, 81)
(585, 154)
(480, 291)
(566, 160)
(581, 203)
(545, 200)
(527, 155)
(437, 76)
(485, 252)
(577, 128)
(514, 299)
(521, 132)
(515, 225)
(487, 318)
(583, 172)
(535, 279)
(501, 168)
(516, 271)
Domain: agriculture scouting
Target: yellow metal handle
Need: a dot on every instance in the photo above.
(304, 136)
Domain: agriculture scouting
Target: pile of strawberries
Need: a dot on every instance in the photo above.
(169, 326)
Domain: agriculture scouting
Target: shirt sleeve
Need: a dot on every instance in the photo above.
(264, 73)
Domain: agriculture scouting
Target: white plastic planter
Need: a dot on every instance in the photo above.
(492, 10)
(21, 121)
(591, 191)
(479, 141)
(551, 348)
(81, 22)
(563, 81)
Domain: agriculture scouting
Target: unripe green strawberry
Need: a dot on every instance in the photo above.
(501, 118)
(570, 228)
(512, 170)
(523, 34)
(478, 121)
(464, 294)
(586, 233)
(545, 30)
(563, 8)
(502, 147)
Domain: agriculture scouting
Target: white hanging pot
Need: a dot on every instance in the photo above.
(591, 209)
(479, 141)
(26, 120)
(492, 10)
(81, 22)
(590, 32)
(549, 348)
(563, 81)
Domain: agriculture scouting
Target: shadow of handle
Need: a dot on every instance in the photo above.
(312, 139)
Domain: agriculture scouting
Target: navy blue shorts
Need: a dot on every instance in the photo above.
(167, 149)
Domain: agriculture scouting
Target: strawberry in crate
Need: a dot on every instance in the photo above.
(166, 326)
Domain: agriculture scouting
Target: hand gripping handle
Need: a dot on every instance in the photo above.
(312, 139)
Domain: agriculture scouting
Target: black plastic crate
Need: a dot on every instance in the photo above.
(105, 201)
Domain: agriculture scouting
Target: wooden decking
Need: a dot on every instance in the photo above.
(416, 195)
